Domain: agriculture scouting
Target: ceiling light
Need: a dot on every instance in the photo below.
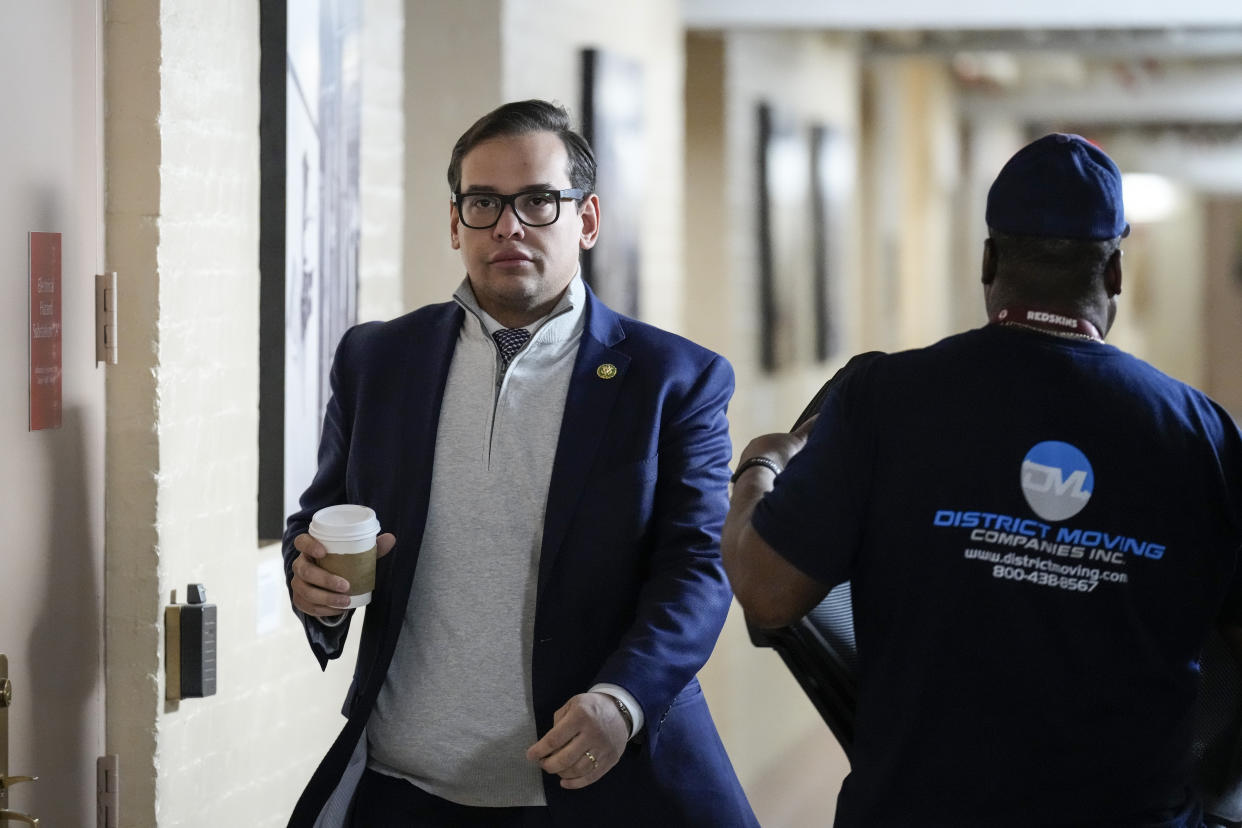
(1149, 198)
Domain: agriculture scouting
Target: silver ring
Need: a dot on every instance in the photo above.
(591, 756)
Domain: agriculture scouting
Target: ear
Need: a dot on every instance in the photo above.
(453, 225)
(989, 261)
(1112, 274)
(590, 222)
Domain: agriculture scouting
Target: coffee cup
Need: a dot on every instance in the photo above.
(348, 533)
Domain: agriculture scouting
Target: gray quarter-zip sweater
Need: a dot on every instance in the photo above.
(455, 714)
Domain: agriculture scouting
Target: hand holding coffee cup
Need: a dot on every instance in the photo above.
(336, 567)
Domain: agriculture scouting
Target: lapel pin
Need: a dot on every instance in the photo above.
(606, 371)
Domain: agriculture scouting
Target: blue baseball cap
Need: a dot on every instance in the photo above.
(1061, 186)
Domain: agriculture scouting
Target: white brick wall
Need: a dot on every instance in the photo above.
(383, 159)
(182, 152)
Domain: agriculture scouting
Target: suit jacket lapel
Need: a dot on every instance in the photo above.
(593, 389)
(423, 376)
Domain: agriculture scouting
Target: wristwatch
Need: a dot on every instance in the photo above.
(625, 714)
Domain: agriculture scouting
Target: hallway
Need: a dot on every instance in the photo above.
(786, 183)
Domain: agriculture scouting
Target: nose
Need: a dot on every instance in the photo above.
(508, 226)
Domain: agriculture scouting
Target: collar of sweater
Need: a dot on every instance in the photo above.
(564, 322)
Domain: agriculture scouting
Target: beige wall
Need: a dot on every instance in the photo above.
(1160, 309)
(989, 144)
(816, 78)
(763, 716)
(543, 40)
(182, 212)
(132, 44)
(912, 182)
(182, 163)
(709, 278)
(452, 76)
(1222, 311)
(902, 283)
(532, 49)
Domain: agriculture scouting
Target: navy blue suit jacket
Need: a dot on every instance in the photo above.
(631, 590)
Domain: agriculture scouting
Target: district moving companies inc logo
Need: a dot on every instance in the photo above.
(1057, 480)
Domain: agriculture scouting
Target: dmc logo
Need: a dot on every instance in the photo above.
(1057, 480)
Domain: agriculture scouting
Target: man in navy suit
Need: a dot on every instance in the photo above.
(552, 480)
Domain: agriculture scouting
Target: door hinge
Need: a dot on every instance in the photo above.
(105, 318)
(107, 791)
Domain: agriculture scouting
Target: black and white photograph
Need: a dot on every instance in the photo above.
(612, 123)
(786, 255)
(310, 231)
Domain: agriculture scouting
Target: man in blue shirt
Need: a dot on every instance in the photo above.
(1039, 529)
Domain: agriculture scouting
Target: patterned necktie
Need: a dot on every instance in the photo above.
(510, 341)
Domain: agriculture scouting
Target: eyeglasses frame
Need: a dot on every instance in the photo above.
(571, 194)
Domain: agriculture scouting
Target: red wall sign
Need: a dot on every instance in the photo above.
(45, 391)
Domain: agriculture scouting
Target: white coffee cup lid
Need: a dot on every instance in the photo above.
(344, 522)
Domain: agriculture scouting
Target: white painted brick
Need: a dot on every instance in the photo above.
(383, 159)
(274, 713)
(183, 229)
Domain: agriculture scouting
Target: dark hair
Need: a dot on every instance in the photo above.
(1064, 270)
(521, 118)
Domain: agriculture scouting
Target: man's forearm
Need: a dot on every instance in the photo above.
(748, 490)
(772, 591)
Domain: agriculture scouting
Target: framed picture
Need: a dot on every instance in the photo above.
(612, 122)
(1237, 247)
(832, 180)
(786, 254)
(310, 122)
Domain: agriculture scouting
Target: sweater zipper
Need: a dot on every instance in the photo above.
(502, 372)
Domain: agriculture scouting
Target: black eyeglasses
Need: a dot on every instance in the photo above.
(533, 208)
